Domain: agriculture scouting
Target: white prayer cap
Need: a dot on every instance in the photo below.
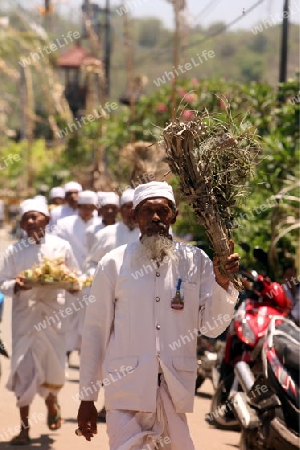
(87, 198)
(41, 198)
(151, 190)
(32, 204)
(127, 196)
(100, 195)
(108, 198)
(57, 192)
(72, 186)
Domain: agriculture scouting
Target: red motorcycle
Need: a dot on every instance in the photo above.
(244, 342)
(269, 406)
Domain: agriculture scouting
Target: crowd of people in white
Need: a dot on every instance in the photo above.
(116, 328)
(70, 227)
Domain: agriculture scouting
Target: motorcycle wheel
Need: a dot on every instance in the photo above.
(248, 440)
(220, 414)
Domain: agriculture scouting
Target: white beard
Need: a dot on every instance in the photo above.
(156, 247)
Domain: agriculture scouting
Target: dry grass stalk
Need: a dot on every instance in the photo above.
(213, 159)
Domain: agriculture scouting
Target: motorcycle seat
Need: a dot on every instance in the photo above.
(287, 352)
(289, 331)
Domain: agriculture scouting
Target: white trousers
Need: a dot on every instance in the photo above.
(163, 430)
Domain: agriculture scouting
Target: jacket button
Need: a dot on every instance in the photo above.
(157, 299)
(158, 326)
(157, 274)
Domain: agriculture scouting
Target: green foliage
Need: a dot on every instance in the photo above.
(44, 162)
(277, 123)
(275, 115)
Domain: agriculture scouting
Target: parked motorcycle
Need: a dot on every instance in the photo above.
(268, 406)
(244, 343)
(208, 352)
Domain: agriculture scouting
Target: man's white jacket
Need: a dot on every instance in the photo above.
(131, 332)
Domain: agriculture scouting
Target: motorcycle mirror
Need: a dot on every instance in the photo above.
(244, 246)
(260, 255)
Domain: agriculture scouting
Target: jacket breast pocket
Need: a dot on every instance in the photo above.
(184, 363)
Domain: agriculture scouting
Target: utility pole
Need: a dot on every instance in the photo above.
(48, 8)
(128, 50)
(27, 121)
(178, 6)
(107, 48)
(284, 43)
(101, 31)
(176, 44)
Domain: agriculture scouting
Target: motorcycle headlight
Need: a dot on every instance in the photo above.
(248, 332)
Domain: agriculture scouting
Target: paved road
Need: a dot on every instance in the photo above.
(204, 436)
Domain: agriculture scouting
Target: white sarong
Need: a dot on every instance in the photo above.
(132, 430)
(37, 366)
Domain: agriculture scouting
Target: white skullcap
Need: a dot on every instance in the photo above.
(100, 195)
(153, 189)
(127, 196)
(72, 186)
(57, 192)
(87, 198)
(108, 198)
(32, 204)
(41, 198)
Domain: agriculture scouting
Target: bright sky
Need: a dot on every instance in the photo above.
(205, 12)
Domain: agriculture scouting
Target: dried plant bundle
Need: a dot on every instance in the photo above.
(213, 159)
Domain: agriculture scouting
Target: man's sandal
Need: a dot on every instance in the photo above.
(20, 440)
(54, 422)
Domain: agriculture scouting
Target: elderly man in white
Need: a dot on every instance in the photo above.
(38, 339)
(112, 236)
(73, 229)
(108, 204)
(148, 294)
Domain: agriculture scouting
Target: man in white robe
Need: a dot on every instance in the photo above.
(113, 236)
(73, 230)
(38, 338)
(140, 335)
(108, 204)
(71, 189)
(56, 197)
